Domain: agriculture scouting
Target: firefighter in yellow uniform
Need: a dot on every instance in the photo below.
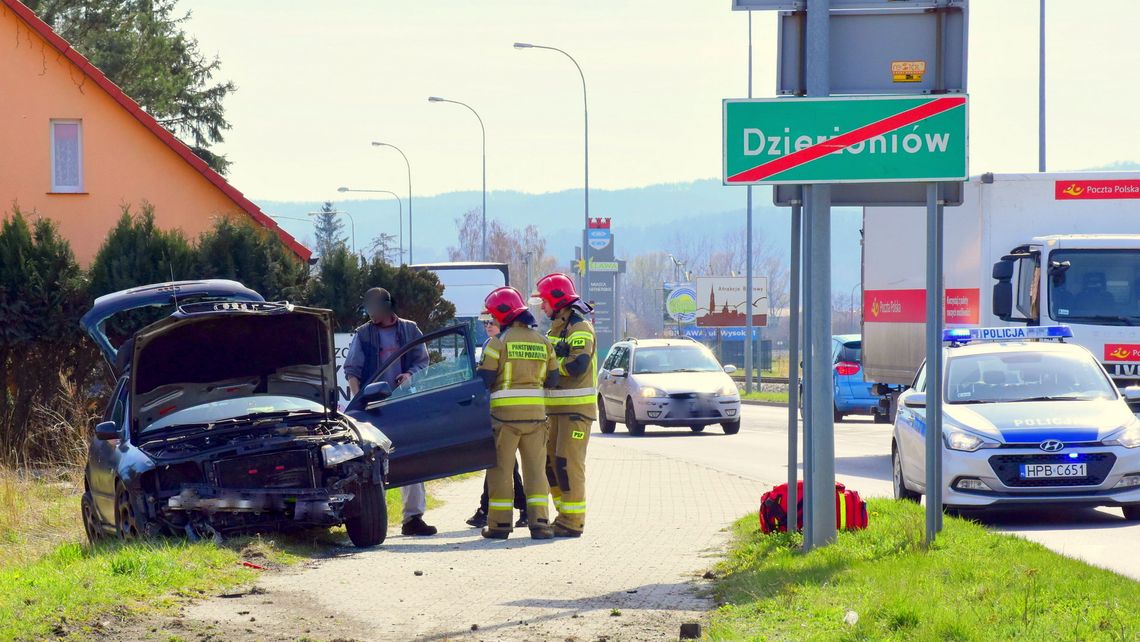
(516, 366)
(571, 403)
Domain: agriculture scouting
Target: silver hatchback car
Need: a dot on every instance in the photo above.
(666, 382)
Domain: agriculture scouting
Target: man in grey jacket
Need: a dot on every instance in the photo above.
(373, 344)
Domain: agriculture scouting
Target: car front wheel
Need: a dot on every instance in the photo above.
(697, 428)
(1132, 513)
(367, 523)
(900, 489)
(635, 427)
(128, 523)
(730, 427)
(605, 424)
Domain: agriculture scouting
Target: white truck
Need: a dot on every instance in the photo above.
(1033, 249)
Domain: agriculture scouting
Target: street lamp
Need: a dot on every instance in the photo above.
(351, 222)
(586, 128)
(411, 242)
(398, 202)
(437, 99)
(677, 265)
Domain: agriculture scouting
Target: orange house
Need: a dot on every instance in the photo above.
(74, 148)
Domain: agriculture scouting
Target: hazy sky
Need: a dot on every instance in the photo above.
(318, 81)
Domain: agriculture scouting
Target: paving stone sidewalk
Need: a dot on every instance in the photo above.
(655, 524)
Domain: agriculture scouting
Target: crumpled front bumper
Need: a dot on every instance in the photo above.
(303, 506)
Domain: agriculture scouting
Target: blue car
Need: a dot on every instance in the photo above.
(853, 394)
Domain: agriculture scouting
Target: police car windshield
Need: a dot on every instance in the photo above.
(673, 359)
(1024, 376)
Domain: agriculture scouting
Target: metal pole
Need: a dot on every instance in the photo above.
(822, 476)
(934, 301)
(748, 341)
(794, 366)
(1041, 94)
(406, 162)
(808, 281)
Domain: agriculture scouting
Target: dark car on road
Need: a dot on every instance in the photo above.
(224, 419)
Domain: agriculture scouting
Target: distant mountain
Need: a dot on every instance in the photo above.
(645, 219)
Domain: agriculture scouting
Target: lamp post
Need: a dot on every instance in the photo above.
(586, 129)
(437, 99)
(411, 241)
(398, 202)
(351, 222)
(677, 265)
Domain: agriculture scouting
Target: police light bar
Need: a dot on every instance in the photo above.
(1006, 333)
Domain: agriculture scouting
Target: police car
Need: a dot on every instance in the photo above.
(1025, 422)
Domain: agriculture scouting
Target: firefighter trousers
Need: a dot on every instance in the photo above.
(566, 468)
(528, 438)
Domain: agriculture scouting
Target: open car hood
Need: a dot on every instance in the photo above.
(158, 294)
(216, 351)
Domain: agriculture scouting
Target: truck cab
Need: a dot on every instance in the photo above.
(1090, 283)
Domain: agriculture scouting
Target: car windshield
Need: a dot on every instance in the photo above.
(674, 359)
(215, 411)
(1098, 287)
(1025, 376)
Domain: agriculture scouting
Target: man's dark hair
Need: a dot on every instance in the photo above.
(378, 295)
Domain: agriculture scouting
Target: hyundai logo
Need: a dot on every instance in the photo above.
(1052, 446)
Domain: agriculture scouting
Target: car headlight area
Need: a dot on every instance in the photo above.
(1128, 437)
(652, 393)
(965, 441)
(337, 454)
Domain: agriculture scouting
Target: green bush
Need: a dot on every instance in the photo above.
(45, 365)
(232, 250)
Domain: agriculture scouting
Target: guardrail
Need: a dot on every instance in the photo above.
(739, 378)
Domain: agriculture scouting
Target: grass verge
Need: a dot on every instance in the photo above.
(773, 397)
(882, 584)
(52, 585)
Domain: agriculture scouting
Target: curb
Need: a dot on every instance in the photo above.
(773, 404)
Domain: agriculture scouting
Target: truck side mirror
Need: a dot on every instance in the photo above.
(1003, 289)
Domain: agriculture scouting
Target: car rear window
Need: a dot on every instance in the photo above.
(851, 352)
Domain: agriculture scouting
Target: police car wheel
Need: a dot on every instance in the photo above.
(605, 424)
(1132, 513)
(635, 427)
(900, 489)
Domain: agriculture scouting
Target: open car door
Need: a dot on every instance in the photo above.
(439, 421)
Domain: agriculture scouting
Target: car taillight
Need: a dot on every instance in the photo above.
(847, 368)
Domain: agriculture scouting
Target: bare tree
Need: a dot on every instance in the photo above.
(517, 248)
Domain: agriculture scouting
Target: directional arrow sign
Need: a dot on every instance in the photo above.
(845, 140)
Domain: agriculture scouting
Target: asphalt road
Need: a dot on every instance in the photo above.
(862, 461)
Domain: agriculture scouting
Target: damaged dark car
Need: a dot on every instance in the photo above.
(224, 419)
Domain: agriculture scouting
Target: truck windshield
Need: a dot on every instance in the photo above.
(1096, 287)
(1024, 376)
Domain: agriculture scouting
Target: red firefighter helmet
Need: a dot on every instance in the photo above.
(505, 304)
(557, 290)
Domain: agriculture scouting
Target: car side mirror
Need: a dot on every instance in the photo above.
(617, 372)
(107, 430)
(376, 392)
(729, 369)
(917, 400)
(1131, 394)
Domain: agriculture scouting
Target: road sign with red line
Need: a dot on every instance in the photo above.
(845, 140)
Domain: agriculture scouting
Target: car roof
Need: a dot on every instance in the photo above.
(658, 343)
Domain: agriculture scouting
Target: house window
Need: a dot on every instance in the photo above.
(66, 156)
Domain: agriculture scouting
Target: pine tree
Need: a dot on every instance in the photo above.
(329, 230)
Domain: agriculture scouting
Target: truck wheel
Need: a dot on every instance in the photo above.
(730, 427)
(635, 427)
(367, 523)
(897, 481)
(604, 423)
(882, 418)
(91, 526)
(1132, 513)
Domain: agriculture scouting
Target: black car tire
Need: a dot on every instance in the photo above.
(730, 427)
(1132, 513)
(91, 526)
(128, 523)
(897, 482)
(882, 418)
(836, 415)
(604, 423)
(635, 427)
(367, 525)
(697, 428)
